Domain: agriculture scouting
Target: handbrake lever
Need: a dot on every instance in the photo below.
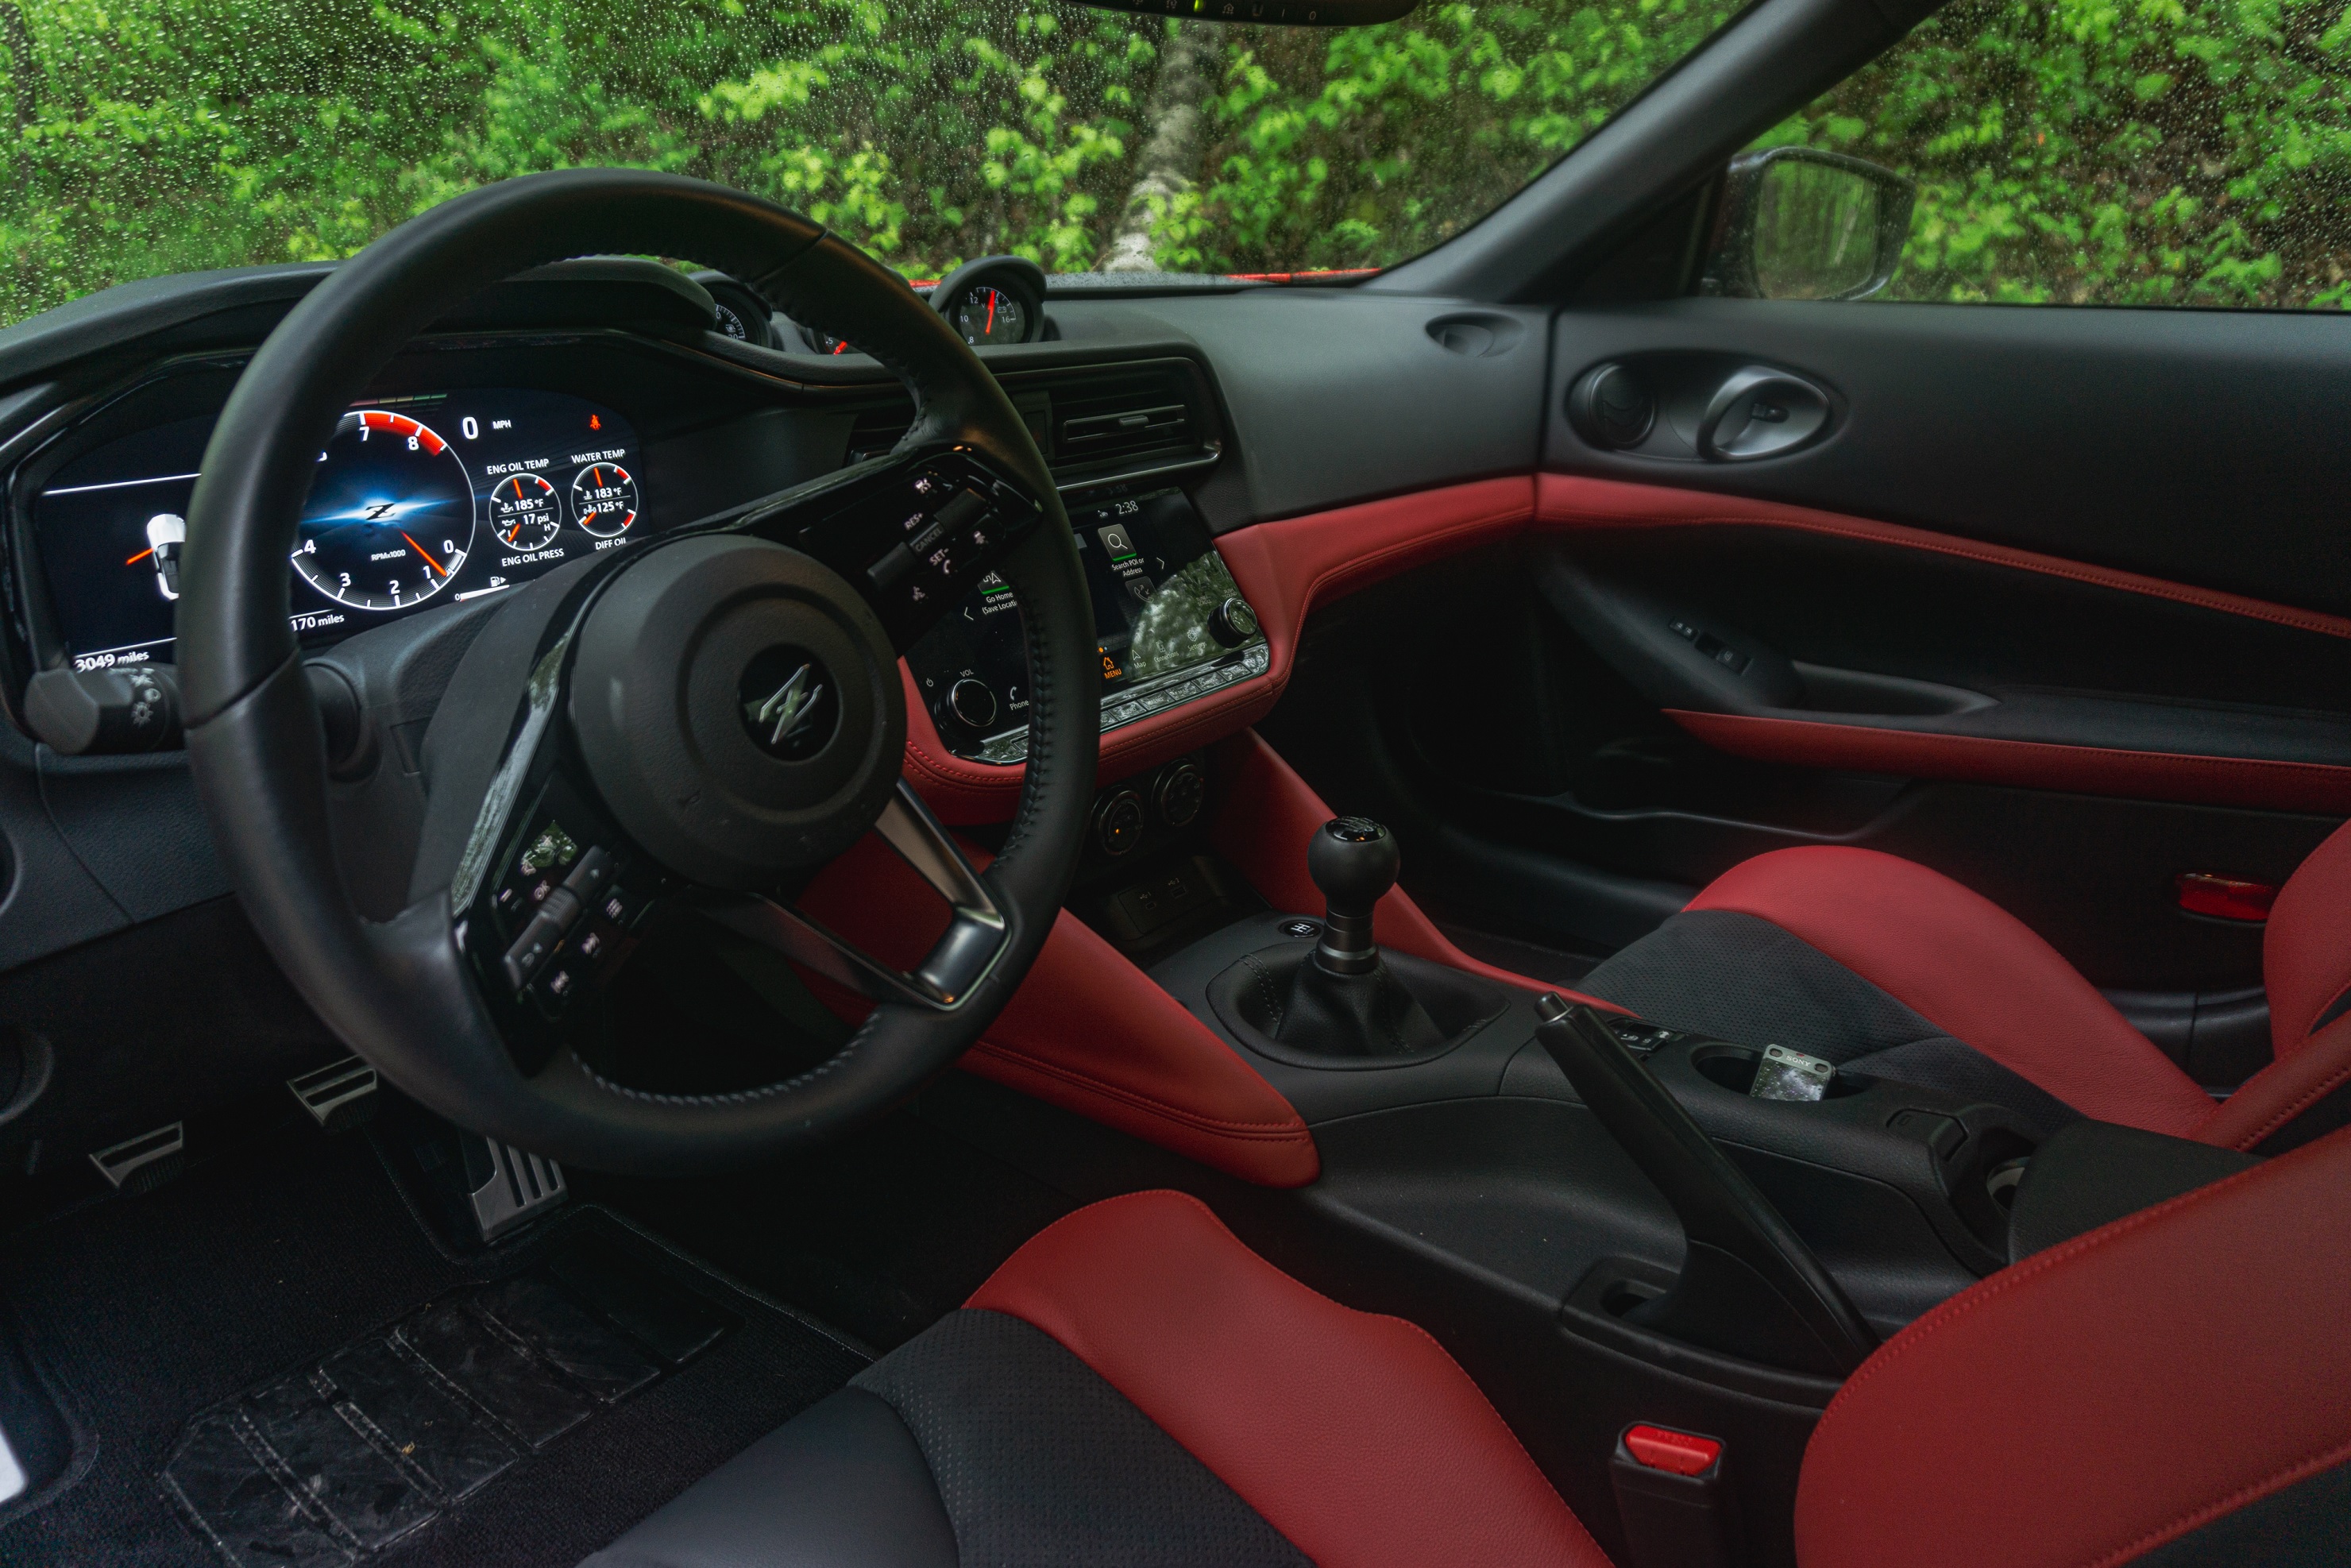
(1749, 1286)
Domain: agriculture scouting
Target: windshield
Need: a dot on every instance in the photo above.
(157, 136)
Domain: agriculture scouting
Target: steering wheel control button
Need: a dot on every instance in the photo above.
(972, 702)
(592, 875)
(788, 703)
(1119, 822)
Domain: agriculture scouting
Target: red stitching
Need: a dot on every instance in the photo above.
(2295, 1108)
(2252, 1492)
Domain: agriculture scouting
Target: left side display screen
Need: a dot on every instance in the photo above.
(420, 501)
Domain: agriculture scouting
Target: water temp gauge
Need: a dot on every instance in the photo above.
(604, 499)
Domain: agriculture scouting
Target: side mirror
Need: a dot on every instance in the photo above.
(1798, 224)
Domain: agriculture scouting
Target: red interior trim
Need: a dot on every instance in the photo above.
(1283, 569)
(1572, 500)
(1355, 1436)
(2031, 764)
(1266, 815)
(1087, 1030)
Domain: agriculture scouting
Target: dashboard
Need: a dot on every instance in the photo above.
(420, 499)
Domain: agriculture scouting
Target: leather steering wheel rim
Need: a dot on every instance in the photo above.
(400, 992)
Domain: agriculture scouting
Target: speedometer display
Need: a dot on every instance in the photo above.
(390, 518)
(417, 501)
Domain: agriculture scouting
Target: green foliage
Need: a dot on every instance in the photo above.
(2113, 151)
(155, 136)
(2183, 151)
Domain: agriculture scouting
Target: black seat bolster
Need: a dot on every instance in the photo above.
(2093, 1173)
(841, 1486)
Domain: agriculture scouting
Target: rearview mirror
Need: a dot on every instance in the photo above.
(1266, 13)
(1800, 223)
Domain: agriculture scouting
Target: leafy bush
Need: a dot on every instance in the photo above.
(2124, 151)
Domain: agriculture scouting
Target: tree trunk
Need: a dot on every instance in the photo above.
(1165, 169)
(23, 85)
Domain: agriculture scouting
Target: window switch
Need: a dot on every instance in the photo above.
(1722, 652)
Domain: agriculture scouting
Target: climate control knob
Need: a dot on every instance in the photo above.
(972, 702)
(1119, 821)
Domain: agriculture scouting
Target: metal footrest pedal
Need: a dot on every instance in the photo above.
(145, 1162)
(510, 1188)
(339, 1095)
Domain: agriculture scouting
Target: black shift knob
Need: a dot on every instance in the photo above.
(1353, 860)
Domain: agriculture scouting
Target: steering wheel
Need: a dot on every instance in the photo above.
(706, 719)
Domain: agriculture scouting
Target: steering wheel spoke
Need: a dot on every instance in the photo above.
(977, 936)
(912, 531)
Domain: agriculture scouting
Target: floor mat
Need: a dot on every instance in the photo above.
(269, 1361)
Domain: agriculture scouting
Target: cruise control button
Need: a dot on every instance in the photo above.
(892, 568)
(538, 940)
(588, 878)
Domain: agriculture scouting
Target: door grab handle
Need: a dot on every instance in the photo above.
(1760, 412)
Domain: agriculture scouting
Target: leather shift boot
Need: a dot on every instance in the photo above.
(1354, 1015)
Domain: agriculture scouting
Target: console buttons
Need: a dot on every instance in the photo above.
(972, 702)
(1119, 822)
(1300, 928)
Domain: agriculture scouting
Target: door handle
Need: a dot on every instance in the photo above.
(1760, 412)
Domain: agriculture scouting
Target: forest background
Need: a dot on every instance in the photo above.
(2111, 152)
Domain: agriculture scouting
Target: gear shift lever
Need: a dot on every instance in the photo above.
(1353, 860)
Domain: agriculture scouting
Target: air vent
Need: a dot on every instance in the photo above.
(1113, 421)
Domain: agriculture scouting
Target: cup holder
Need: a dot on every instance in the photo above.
(1733, 1067)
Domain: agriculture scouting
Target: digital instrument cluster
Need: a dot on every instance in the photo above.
(1172, 625)
(433, 498)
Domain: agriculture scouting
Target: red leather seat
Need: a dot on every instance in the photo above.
(1134, 1386)
(1878, 963)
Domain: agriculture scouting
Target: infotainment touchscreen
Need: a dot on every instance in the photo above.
(1172, 622)
(418, 500)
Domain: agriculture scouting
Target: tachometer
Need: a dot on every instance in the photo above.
(390, 517)
(604, 499)
(524, 512)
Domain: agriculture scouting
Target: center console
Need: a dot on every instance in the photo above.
(1172, 628)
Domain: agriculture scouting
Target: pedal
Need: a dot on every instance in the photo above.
(508, 1188)
(143, 1163)
(339, 1095)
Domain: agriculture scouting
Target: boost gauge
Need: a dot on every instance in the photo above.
(604, 499)
(391, 516)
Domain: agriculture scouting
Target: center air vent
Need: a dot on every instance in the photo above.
(1116, 419)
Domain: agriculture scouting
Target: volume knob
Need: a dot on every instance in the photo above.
(972, 702)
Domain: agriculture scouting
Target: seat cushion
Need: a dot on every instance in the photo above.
(1878, 963)
(1134, 1386)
